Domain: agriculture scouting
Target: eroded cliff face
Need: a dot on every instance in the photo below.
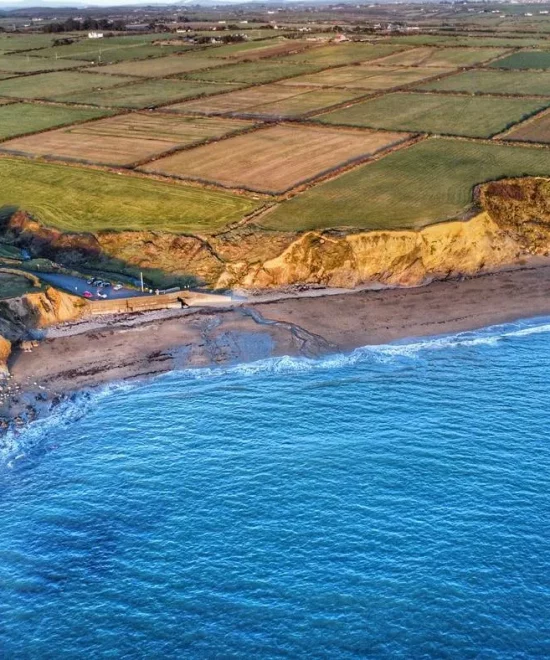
(402, 258)
(514, 222)
(34, 311)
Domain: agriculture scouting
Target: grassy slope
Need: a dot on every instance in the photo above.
(21, 118)
(76, 199)
(426, 183)
(434, 113)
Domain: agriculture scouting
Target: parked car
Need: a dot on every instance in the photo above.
(106, 284)
(91, 281)
(88, 294)
(101, 295)
(117, 287)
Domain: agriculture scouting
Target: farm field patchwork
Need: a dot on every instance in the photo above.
(473, 116)
(368, 77)
(274, 159)
(269, 101)
(536, 130)
(15, 42)
(55, 85)
(21, 118)
(253, 50)
(146, 94)
(125, 139)
(479, 41)
(110, 50)
(494, 82)
(23, 64)
(262, 71)
(535, 59)
(413, 187)
(79, 199)
(162, 66)
(441, 57)
(336, 55)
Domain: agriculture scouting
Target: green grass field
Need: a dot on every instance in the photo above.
(426, 183)
(535, 59)
(54, 85)
(494, 82)
(146, 94)
(81, 200)
(162, 66)
(16, 42)
(22, 118)
(24, 64)
(115, 49)
(262, 71)
(473, 116)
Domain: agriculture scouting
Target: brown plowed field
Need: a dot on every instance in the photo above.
(125, 139)
(368, 77)
(274, 159)
(269, 101)
(536, 130)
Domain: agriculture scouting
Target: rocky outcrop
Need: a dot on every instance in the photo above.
(521, 207)
(32, 311)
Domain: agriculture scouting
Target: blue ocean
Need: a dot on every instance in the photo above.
(394, 502)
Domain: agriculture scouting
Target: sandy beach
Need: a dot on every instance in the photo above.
(117, 348)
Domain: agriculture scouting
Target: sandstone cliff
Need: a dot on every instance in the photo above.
(34, 311)
(514, 220)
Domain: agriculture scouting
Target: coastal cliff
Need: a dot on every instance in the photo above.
(513, 222)
(31, 312)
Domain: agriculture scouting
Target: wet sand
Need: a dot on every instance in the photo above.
(100, 351)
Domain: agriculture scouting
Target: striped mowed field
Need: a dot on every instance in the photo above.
(84, 200)
(426, 183)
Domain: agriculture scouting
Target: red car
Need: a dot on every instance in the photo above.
(87, 294)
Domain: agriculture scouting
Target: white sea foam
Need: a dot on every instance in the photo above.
(19, 445)
(16, 446)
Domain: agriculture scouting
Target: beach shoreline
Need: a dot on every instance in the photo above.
(96, 352)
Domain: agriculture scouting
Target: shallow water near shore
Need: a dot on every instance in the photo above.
(391, 502)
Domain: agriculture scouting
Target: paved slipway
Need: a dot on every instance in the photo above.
(108, 349)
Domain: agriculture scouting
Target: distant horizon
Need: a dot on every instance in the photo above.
(7, 5)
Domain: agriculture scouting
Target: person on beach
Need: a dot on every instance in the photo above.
(182, 302)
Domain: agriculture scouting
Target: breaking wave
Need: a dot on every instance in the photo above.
(19, 447)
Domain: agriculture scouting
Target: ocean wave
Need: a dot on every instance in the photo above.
(489, 336)
(18, 446)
